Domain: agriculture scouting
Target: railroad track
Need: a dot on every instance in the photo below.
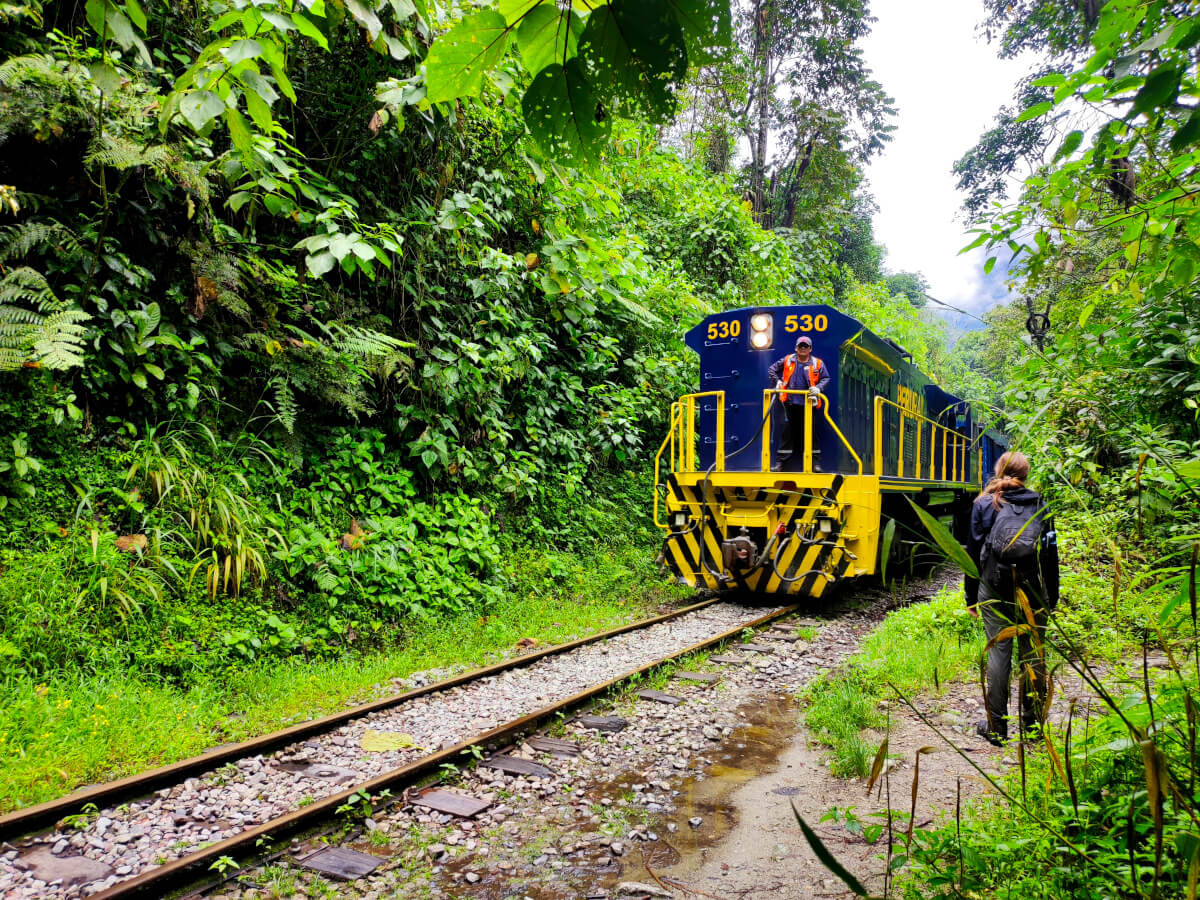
(148, 834)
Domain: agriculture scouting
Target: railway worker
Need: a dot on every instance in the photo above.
(800, 371)
(1013, 545)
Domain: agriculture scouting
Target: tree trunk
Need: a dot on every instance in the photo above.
(792, 189)
(758, 145)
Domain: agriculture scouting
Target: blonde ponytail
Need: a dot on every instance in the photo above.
(1012, 469)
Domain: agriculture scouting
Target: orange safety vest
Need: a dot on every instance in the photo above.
(789, 369)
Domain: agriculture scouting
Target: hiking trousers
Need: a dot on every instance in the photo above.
(998, 614)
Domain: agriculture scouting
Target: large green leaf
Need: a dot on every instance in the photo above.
(458, 60)
(1161, 89)
(515, 10)
(560, 110)
(953, 549)
(707, 27)
(309, 29)
(240, 51)
(366, 17)
(548, 35)
(200, 108)
(636, 55)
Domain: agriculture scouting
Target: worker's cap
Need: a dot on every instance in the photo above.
(804, 341)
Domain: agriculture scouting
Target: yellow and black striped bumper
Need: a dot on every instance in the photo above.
(830, 528)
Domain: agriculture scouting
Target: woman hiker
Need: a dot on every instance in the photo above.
(1013, 545)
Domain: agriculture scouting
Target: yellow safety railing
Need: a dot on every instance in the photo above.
(768, 396)
(940, 452)
(954, 446)
(680, 442)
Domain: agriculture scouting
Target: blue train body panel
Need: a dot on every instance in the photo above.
(861, 365)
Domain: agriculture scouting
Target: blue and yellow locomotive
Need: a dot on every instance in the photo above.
(883, 431)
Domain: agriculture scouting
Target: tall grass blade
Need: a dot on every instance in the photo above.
(1067, 754)
(912, 813)
(1155, 777)
(1192, 586)
(958, 829)
(1193, 872)
(941, 535)
(1007, 634)
(1141, 465)
(983, 658)
(1116, 592)
(885, 549)
(1027, 611)
(1150, 727)
(877, 765)
(1189, 705)
(1021, 760)
(1131, 839)
(827, 859)
(1056, 760)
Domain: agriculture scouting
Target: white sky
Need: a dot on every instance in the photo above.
(947, 83)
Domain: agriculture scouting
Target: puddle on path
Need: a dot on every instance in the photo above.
(750, 751)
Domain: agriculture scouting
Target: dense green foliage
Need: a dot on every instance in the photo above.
(1095, 370)
(313, 346)
(1102, 243)
(304, 336)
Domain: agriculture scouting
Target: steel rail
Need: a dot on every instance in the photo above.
(160, 880)
(37, 818)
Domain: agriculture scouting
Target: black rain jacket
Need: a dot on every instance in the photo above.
(1042, 580)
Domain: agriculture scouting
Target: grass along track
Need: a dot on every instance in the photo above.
(138, 847)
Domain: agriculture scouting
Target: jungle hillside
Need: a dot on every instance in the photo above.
(337, 338)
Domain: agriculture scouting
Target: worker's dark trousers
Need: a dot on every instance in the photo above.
(998, 614)
(790, 428)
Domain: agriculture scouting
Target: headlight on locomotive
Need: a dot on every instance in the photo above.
(762, 331)
(679, 520)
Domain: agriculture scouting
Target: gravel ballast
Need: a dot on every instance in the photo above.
(123, 842)
(610, 821)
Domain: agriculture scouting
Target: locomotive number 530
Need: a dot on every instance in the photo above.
(806, 323)
(726, 329)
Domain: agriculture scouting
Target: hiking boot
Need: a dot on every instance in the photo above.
(982, 729)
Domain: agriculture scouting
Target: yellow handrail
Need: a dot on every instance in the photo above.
(808, 431)
(952, 441)
(842, 437)
(669, 440)
(680, 442)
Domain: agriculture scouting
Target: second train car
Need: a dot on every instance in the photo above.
(884, 434)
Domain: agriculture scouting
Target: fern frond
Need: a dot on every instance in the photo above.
(377, 350)
(60, 344)
(365, 342)
(118, 152)
(11, 11)
(25, 285)
(49, 236)
(286, 408)
(53, 337)
(17, 70)
(10, 358)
